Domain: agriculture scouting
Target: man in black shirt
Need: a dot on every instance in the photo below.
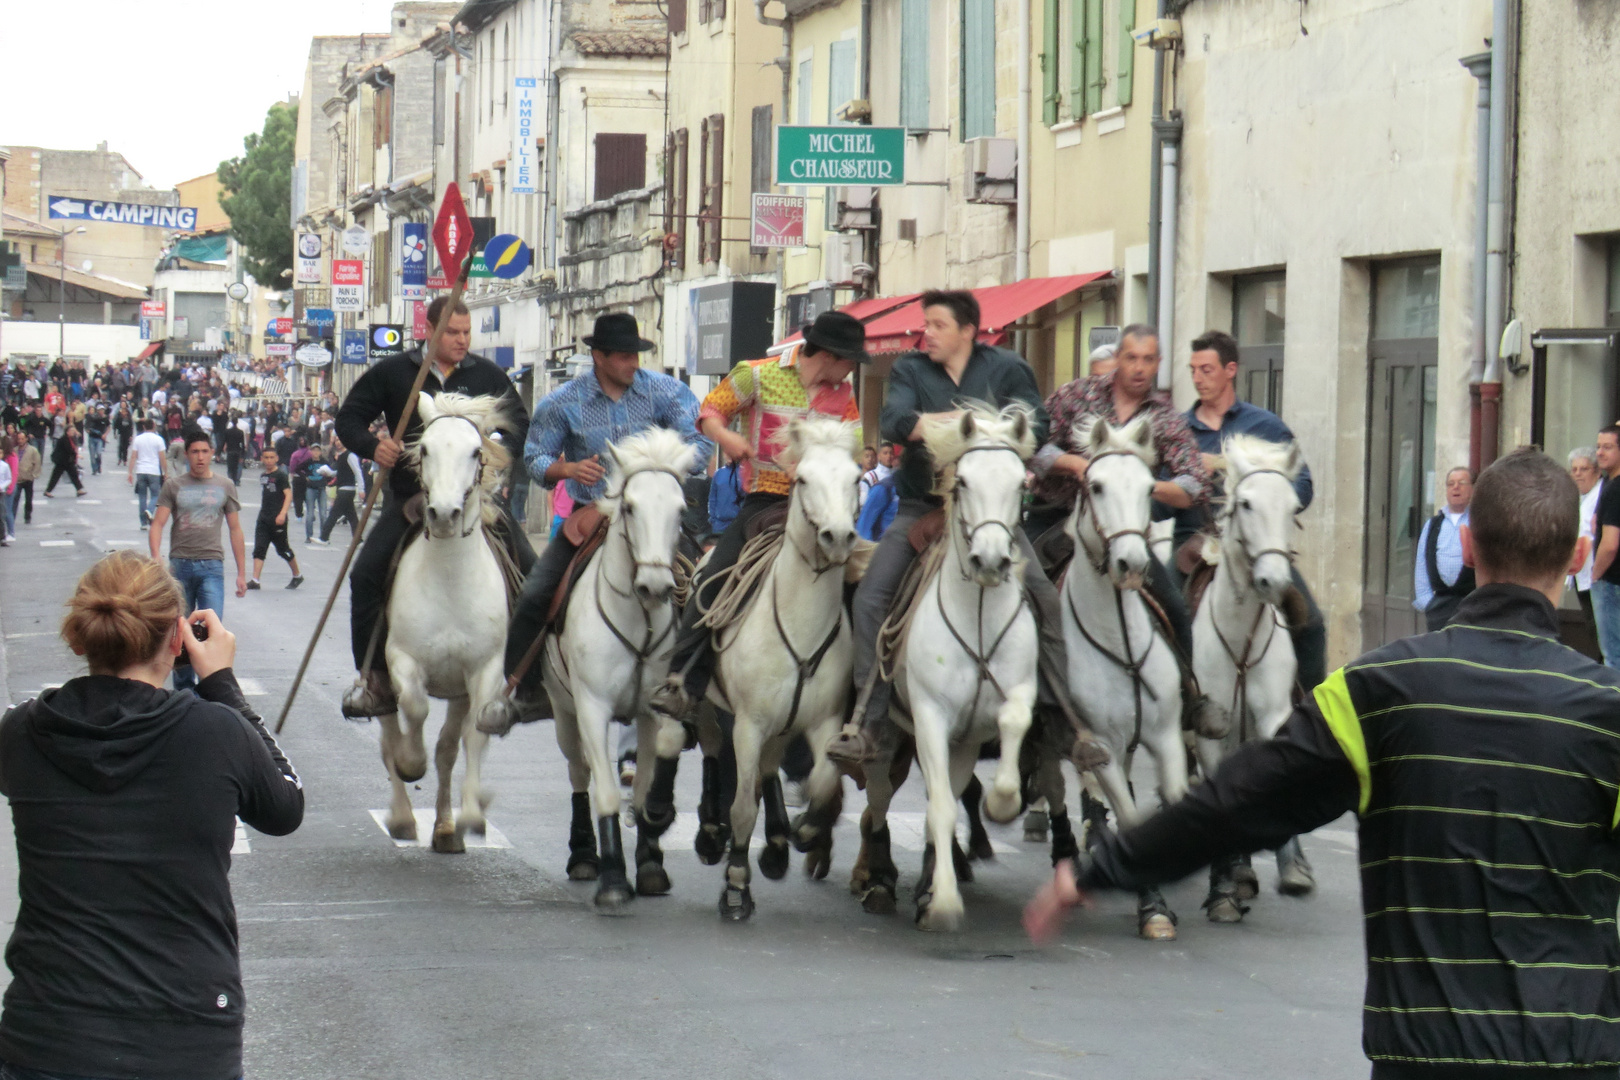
(234, 443)
(1605, 565)
(382, 392)
(275, 503)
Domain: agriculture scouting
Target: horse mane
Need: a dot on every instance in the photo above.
(1122, 439)
(488, 415)
(812, 430)
(655, 448)
(1249, 453)
(946, 444)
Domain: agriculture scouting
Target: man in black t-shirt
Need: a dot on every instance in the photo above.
(275, 502)
(233, 442)
(1605, 566)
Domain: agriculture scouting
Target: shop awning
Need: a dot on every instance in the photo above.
(1000, 306)
(864, 310)
(150, 351)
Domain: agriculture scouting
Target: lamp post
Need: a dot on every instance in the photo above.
(61, 292)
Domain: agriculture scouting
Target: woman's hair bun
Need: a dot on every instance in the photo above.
(122, 611)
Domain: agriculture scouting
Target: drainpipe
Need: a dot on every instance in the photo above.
(1021, 231)
(785, 62)
(1479, 66)
(1502, 81)
(1168, 134)
(1155, 191)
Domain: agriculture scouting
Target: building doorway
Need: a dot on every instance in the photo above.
(1403, 359)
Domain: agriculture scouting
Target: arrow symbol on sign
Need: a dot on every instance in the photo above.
(67, 207)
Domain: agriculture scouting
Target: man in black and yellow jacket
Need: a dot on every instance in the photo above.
(1484, 764)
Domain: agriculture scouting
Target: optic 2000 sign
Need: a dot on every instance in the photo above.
(841, 154)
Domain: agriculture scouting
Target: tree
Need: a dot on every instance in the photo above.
(258, 197)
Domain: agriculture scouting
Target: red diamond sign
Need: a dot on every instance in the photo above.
(452, 232)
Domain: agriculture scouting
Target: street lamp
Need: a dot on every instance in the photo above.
(61, 293)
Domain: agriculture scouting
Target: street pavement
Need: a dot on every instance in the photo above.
(364, 958)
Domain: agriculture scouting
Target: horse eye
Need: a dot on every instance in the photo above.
(1246, 504)
(1096, 488)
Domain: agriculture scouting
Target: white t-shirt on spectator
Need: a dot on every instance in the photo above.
(206, 422)
(160, 397)
(149, 450)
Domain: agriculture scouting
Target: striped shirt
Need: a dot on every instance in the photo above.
(770, 395)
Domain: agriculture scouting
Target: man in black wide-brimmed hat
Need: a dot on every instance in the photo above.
(813, 377)
(572, 427)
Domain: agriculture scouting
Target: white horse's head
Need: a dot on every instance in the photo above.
(644, 495)
(1114, 510)
(985, 451)
(1257, 525)
(821, 452)
(450, 455)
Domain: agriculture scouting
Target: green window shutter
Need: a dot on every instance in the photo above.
(1127, 50)
(1095, 76)
(1077, 66)
(1049, 62)
(978, 68)
(914, 63)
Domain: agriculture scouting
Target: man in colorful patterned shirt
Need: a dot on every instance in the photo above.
(768, 394)
(1119, 397)
(572, 427)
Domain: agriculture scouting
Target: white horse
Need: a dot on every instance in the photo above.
(1117, 653)
(783, 668)
(1242, 653)
(613, 652)
(447, 614)
(968, 662)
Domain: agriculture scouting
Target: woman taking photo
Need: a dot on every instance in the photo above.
(124, 798)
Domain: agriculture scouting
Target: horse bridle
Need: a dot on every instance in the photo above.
(1106, 539)
(817, 565)
(1240, 658)
(1242, 540)
(637, 563)
(478, 480)
(961, 523)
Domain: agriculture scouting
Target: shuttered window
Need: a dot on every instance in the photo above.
(914, 69)
(841, 84)
(677, 16)
(979, 68)
(1125, 74)
(1051, 52)
(621, 164)
(760, 156)
(807, 74)
(711, 189)
(675, 197)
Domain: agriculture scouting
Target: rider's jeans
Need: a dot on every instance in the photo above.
(888, 566)
(1606, 609)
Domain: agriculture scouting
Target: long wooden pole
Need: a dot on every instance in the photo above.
(378, 482)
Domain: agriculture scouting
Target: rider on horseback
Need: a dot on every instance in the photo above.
(573, 425)
(1119, 396)
(952, 366)
(382, 392)
(811, 377)
(1218, 415)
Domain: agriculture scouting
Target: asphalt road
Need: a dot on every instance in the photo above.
(366, 959)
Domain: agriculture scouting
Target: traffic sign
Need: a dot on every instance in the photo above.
(778, 220)
(354, 346)
(386, 339)
(506, 256)
(452, 231)
(65, 207)
(840, 155)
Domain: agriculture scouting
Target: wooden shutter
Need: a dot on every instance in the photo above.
(712, 194)
(677, 16)
(671, 224)
(703, 10)
(914, 63)
(717, 9)
(1050, 46)
(1078, 21)
(1127, 52)
(1095, 76)
(759, 159)
(621, 164)
(978, 68)
(681, 165)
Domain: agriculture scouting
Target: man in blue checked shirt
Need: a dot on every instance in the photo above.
(572, 428)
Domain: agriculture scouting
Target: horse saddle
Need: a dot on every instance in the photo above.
(585, 528)
(766, 519)
(1195, 569)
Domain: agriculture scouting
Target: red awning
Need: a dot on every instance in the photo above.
(999, 305)
(864, 310)
(150, 351)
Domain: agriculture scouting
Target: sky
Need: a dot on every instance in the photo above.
(173, 85)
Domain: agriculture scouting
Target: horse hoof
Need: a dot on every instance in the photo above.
(403, 830)
(469, 823)
(736, 905)
(818, 862)
(411, 773)
(652, 880)
(1158, 928)
(582, 868)
(1246, 881)
(936, 921)
(710, 844)
(1296, 881)
(447, 841)
(613, 898)
(803, 834)
(773, 858)
(879, 900)
(959, 859)
(859, 879)
(1036, 823)
(1224, 909)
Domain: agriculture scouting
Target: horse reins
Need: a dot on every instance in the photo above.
(1106, 538)
(477, 484)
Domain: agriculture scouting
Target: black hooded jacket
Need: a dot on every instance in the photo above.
(124, 799)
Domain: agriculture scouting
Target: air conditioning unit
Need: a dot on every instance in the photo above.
(842, 253)
(992, 170)
(857, 207)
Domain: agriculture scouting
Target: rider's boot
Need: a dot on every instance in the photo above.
(873, 739)
(1199, 714)
(371, 695)
(521, 706)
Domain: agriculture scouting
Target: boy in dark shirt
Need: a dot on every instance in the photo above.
(275, 502)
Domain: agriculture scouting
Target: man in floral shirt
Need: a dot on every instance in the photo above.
(768, 394)
(1119, 397)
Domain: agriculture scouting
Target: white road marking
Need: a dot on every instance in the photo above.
(906, 831)
(241, 847)
(56, 543)
(121, 543)
(89, 502)
(252, 688)
(32, 633)
(492, 838)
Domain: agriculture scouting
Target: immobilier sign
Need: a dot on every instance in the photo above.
(840, 155)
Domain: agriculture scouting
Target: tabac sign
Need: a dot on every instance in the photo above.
(840, 155)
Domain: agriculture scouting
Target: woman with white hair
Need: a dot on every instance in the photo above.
(1583, 468)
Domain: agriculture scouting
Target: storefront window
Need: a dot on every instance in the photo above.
(1259, 317)
(1406, 303)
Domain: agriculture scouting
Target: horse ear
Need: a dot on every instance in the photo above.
(1020, 426)
(966, 425)
(1143, 434)
(425, 408)
(1101, 433)
(1296, 459)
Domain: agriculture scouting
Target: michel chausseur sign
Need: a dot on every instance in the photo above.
(840, 155)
